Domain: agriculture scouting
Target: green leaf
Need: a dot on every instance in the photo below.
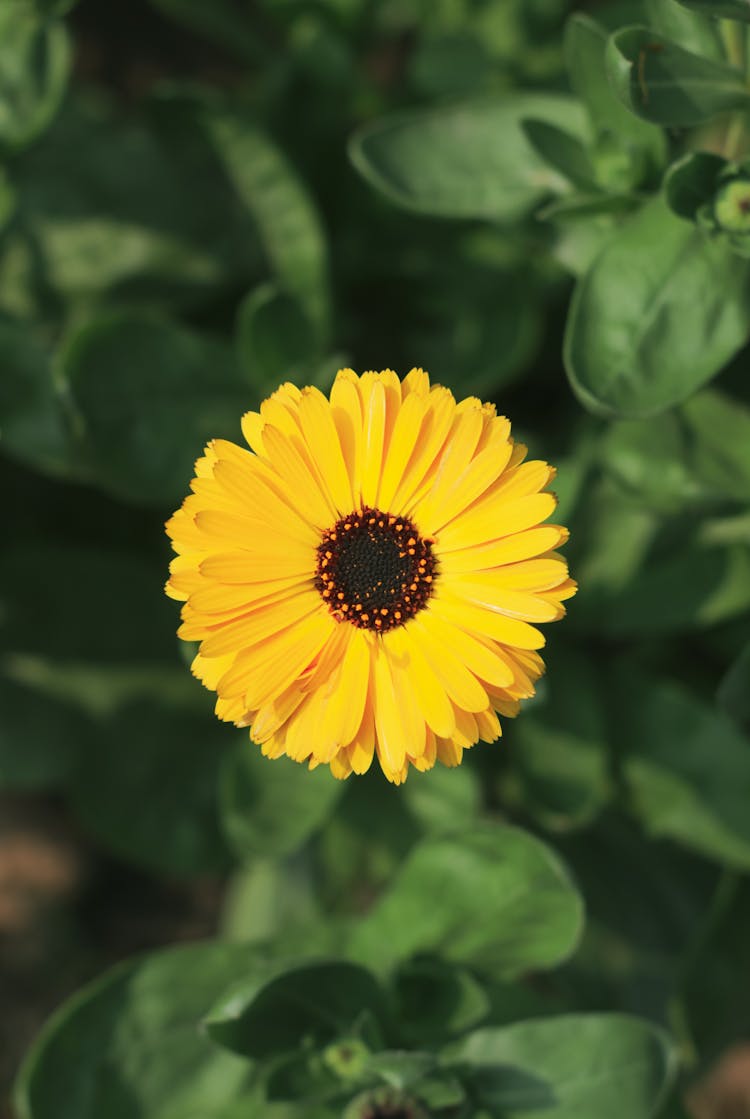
(559, 748)
(32, 424)
(313, 1003)
(691, 182)
(660, 81)
(575, 1066)
(493, 896)
(687, 768)
(34, 67)
(274, 339)
(641, 146)
(288, 222)
(150, 395)
(660, 311)
(734, 690)
(729, 9)
(564, 152)
(39, 737)
(696, 455)
(467, 161)
(272, 807)
(103, 198)
(435, 1001)
(129, 1044)
(147, 788)
(693, 31)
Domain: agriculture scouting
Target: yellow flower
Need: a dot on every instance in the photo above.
(365, 578)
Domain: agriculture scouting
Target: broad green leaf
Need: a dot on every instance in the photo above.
(147, 788)
(575, 1066)
(692, 30)
(695, 455)
(467, 161)
(660, 311)
(729, 9)
(640, 146)
(687, 768)
(559, 749)
(272, 807)
(492, 896)
(39, 737)
(734, 690)
(150, 395)
(274, 339)
(83, 604)
(435, 1001)
(660, 81)
(562, 151)
(129, 1046)
(34, 66)
(32, 423)
(104, 199)
(691, 182)
(318, 1001)
(288, 223)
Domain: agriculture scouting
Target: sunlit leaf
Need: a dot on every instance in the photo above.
(660, 311)
(492, 896)
(570, 1067)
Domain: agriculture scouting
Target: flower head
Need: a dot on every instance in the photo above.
(366, 578)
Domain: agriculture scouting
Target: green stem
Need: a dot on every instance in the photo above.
(735, 43)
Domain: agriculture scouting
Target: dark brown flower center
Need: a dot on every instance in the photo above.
(375, 570)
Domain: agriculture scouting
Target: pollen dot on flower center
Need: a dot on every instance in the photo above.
(374, 569)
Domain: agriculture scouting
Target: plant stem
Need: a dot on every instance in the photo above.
(735, 43)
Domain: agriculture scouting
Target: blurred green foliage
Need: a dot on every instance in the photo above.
(198, 201)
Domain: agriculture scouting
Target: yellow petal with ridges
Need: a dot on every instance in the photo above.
(491, 520)
(323, 442)
(391, 742)
(437, 709)
(461, 685)
(508, 631)
(510, 549)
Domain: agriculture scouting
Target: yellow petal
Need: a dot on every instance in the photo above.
(460, 684)
(258, 625)
(510, 549)
(490, 520)
(373, 407)
(285, 657)
(391, 744)
(437, 710)
(508, 631)
(323, 442)
(345, 703)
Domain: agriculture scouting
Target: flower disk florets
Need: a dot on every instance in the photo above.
(374, 570)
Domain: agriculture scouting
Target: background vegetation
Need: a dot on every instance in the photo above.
(200, 200)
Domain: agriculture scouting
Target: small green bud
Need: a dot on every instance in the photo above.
(346, 1058)
(732, 206)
